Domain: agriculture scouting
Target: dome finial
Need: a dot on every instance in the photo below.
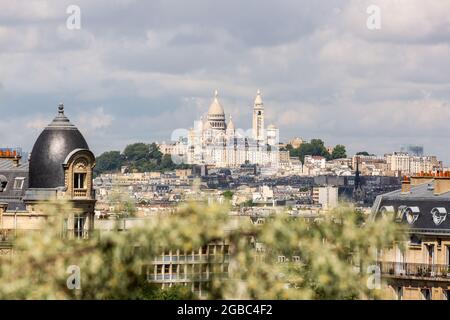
(61, 108)
(216, 93)
(258, 99)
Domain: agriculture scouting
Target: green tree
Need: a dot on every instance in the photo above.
(228, 194)
(167, 163)
(315, 147)
(154, 152)
(108, 162)
(339, 152)
(364, 153)
(136, 152)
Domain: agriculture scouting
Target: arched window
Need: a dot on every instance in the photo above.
(80, 175)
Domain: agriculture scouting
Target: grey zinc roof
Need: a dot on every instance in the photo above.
(51, 149)
(7, 164)
(421, 197)
(13, 197)
(422, 191)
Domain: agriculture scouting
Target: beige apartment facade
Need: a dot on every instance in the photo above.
(419, 268)
(60, 167)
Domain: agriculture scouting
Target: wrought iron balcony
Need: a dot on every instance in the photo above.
(416, 270)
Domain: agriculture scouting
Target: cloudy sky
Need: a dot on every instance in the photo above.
(137, 70)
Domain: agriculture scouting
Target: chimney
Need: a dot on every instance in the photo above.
(406, 185)
(16, 161)
(441, 183)
(422, 178)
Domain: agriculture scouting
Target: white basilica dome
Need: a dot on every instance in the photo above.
(216, 114)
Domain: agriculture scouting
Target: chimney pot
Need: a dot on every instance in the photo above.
(406, 185)
(441, 184)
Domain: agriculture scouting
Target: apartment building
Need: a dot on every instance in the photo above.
(403, 163)
(420, 268)
(315, 162)
(195, 269)
(326, 196)
(60, 167)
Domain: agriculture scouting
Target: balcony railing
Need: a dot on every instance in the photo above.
(80, 193)
(419, 270)
(186, 276)
(182, 259)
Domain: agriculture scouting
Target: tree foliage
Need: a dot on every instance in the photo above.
(109, 161)
(339, 152)
(139, 157)
(137, 151)
(364, 153)
(316, 147)
(228, 194)
(333, 252)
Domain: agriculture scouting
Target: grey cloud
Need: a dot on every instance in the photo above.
(152, 66)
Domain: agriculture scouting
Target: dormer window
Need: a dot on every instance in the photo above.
(79, 181)
(78, 174)
(3, 183)
(18, 183)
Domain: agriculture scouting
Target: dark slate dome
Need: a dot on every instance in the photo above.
(52, 147)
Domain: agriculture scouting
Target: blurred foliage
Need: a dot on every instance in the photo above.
(333, 255)
(331, 250)
(122, 203)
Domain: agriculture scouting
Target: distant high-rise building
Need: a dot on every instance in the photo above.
(412, 149)
(327, 196)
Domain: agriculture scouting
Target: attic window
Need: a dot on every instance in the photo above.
(79, 181)
(18, 183)
(412, 214)
(415, 240)
(3, 183)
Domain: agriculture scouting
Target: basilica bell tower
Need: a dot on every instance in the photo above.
(258, 118)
